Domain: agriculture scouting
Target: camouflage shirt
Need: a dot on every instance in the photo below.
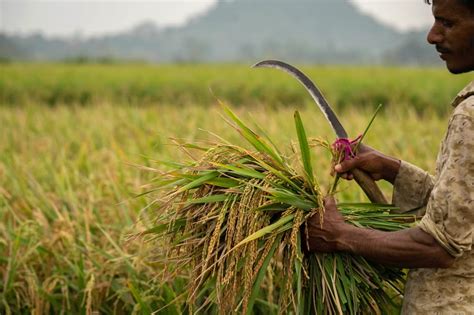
(446, 202)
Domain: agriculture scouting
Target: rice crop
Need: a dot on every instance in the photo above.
(68, 187)
(146, 84)
(230, 223)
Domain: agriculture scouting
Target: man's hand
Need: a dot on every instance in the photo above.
(409, 248)
(324, 237)
(376, 164)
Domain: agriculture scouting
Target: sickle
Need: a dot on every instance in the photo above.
(364, 180)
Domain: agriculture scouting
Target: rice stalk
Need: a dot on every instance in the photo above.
(232, 223)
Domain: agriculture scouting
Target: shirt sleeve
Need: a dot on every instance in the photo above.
(449, 214)
(412, 188)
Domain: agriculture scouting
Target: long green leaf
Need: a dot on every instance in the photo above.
(273, 207)
(159, 229)
(284, 228)
(255, 140)
(223, 182)
(282, 176)
(268, 229)
(242, 171)
(144, 308)
(367, 206)
(304, 147)
(291, 199)
(367, 128)
(266, 136)
(199, 181)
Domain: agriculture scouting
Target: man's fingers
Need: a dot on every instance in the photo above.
(329, 202)
(346, 165)
(364, 148)
(347, 176)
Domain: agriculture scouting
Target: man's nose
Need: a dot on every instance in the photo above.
(435, 35)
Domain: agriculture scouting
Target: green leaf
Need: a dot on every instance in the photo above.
(268, 229)
(284, 228)
(282, 176)
(223, 182)
(199, 181)
(170, 164)
(367, 128)
(194, 146)
(273, 207)
(255, 140)
(367, 206)
(177, 181)
(266, 136)
(242, 171)
(304, 147)
(157, 229)
(169, 297)
(144, 308)
(341, 279)
(161, 228)
(291, 199)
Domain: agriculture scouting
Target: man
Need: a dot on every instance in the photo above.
(439, 249)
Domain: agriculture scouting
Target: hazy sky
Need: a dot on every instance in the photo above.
(94, 17)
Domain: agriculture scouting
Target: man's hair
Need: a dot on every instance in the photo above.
(468, 3)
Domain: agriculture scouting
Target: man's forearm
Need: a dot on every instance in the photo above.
(410, 248)
(391, 169)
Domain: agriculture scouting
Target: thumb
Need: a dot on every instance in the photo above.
(329, 202)
(346, 165)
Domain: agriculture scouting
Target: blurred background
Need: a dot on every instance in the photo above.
(317, 31)
(94, 94)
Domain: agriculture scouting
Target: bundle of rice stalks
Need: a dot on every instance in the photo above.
(230, 223)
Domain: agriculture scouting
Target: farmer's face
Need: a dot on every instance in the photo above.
(453, 34)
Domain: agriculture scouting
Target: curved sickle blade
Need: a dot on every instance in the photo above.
(312, 89)
(364, 180)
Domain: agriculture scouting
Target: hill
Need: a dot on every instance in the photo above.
(241, 30)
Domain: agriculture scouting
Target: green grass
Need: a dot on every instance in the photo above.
(67, 187)
(141, 84)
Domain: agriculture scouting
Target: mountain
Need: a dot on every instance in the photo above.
(323, 31)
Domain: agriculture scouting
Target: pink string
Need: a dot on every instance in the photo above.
(345, 145)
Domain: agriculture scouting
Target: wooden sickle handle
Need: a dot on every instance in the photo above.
(369, 186)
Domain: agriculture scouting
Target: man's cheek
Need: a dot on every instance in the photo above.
(470, 45)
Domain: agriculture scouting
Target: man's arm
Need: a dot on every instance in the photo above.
(412, 185)
(410, 248)
(445, 232)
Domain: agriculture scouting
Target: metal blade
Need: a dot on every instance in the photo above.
(312, 89)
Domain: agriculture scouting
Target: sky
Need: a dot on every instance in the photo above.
(97, 17)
